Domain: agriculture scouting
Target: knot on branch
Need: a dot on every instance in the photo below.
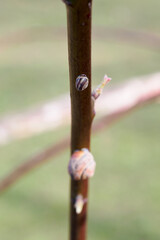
(81, 165)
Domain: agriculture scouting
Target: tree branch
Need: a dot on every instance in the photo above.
(56, 113)
(79, 50)
(70, 2)
(32, 163)
(151, 93)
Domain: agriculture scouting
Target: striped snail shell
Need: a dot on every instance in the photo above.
(82, 82)
(82, 164)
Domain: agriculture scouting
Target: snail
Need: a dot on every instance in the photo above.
(82, 82)
(81, 165)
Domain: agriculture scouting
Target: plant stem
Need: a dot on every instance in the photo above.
(148, 95)
(79, 48)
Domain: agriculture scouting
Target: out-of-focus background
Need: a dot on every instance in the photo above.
(125, 191)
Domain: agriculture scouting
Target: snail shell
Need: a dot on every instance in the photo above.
(82, 82)
(81, 164)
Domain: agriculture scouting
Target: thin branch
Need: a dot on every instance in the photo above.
(53, 151)
(79, 51)
(56, 113)
(149, 40)
(32, 163)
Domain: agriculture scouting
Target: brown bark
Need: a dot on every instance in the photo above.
(79, 50)
(53, 151)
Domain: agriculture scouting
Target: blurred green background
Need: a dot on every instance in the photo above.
(125, 192)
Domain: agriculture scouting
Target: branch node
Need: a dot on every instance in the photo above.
(98, 90)
(79, 203)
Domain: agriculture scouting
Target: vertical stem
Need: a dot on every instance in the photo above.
(79, 48)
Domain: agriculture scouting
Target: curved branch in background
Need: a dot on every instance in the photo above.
(140, 38)
(33, 162)
(143, 97)
(56, 113)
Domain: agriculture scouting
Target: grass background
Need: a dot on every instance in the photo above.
(125, 192)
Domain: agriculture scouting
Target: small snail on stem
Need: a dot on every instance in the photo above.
(81, 165)
(82, 82)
